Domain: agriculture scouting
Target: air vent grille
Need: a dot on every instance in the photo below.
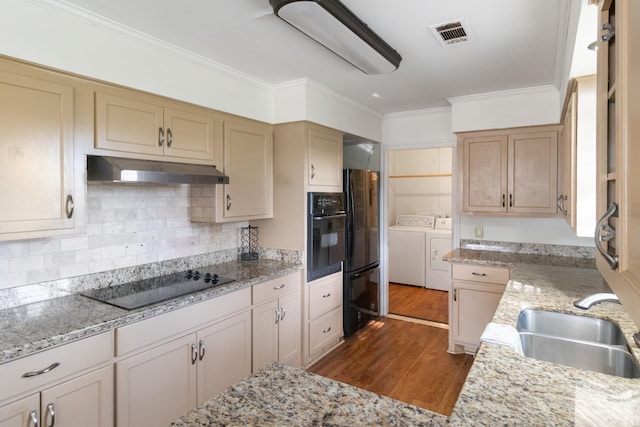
(451, 33)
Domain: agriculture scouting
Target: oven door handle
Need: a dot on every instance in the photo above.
(321, 217)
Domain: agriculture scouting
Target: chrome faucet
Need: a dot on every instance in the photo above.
(590, 300)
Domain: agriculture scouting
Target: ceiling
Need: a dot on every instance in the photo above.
(515, 44)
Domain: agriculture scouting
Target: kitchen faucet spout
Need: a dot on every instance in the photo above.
(591, 300)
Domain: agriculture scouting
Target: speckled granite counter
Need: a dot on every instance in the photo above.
(33, 327)
(280, 395)
(505, 388)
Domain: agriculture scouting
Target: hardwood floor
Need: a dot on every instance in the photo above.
(420, 303)
(402, 360)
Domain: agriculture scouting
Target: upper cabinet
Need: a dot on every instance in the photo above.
(142, 124)
(618, 151)
(325, 157)
(510, 171)
(577, 153)
(36, 153)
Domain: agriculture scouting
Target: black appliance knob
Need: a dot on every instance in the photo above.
(196, 275)
(189, 274)
(207, 277)
(214, 279)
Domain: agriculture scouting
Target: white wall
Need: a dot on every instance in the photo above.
(57, 35)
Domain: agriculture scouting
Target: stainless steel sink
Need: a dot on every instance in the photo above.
(582, 342)
(612, 360)
(570, 326)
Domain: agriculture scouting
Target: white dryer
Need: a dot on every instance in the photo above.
(439, 244)
(408, 250)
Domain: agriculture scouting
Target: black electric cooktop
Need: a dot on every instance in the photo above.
(157, 289)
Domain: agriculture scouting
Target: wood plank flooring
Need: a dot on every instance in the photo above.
(402, 360)
(420, 303)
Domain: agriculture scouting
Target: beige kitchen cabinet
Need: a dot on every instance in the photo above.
(618, 151)
(325, 157)
(276, 321)
(74, 382)
(475, 293)
(577, 157)
(37, 164)
(511, 171)
(136, 123)
(325, 329)
(248, 161)
(171, 363)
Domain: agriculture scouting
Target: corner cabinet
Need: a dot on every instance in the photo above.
(476, 291)
(510, 171)
(36, 153)
(618, 151)
(136, 123)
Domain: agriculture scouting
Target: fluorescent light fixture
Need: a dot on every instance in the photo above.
(333, 25)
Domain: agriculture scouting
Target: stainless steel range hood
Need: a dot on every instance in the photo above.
(115, 169)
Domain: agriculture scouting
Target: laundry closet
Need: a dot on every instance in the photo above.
(420, 208)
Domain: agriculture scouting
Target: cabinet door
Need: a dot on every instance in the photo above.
(224, 353)
(21, 413)
(248, 161)
(158, 386)
(485, 174)
(533, 173)
(133, 125)
(82, 401)
(189, 133)
(325, 158)
(473, 307)
(289, 330)
(36, 155)
(265, 334)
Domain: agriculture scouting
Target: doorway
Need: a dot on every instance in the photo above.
(420, 184)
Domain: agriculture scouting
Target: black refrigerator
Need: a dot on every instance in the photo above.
(361, 273)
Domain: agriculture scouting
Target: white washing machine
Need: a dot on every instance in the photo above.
(408, 250)
(438, 242)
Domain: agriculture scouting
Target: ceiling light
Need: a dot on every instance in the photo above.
(334, 26)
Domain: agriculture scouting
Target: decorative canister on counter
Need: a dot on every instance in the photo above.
(248, 243)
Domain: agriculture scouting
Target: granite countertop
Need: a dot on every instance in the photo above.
(502, 388)
(280, 395)
(30, 328)
(506, 388)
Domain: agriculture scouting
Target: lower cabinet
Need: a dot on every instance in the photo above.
(83, 401)
(325, 329)
(474, 297)
(276, 321)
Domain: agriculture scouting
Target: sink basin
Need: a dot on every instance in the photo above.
(579, 341)
(562, 325)
(606, 359)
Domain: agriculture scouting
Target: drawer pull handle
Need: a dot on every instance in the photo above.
(169, 137)
(202, 350)
(479, 274)
(160, 137)
(327, 330)
(275, 288)
(313, 171)
(51, 413)
(326, 295)
(69, 206)
(284, 312)
(43, 371)
(277, 315)
(34, 418)
(455, 294)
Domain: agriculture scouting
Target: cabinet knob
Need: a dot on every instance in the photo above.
(228, 202)
(51, 414)
(455, 294)
(560, 204)
(277, 315)
(283, 312)
(34, 418)
(194, 354)
(313, 171)
(202, 350)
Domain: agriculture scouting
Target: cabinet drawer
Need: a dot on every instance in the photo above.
(276, 287)
(155, 329)
(324, 295)
(480, 273)
(72, 358)
(325, 332)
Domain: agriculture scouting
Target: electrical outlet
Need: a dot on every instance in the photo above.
(479, 232)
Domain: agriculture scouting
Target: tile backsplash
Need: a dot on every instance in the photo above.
(127, 225)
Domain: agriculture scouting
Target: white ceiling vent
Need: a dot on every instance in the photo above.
(452, 33)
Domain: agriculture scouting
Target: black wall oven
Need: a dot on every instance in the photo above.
(325, 236)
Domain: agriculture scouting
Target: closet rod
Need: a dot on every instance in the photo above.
(429, 175)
